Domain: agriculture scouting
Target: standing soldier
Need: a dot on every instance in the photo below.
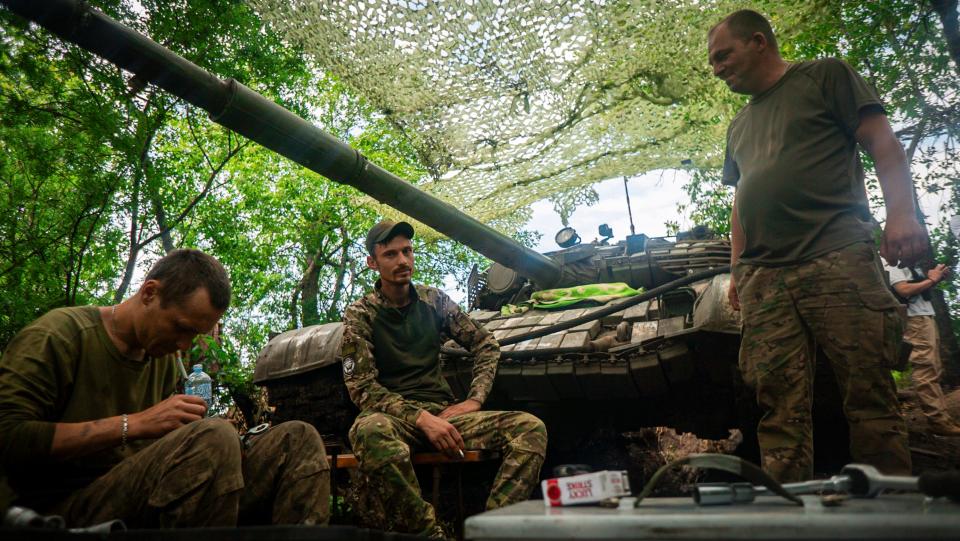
(805, 268)
(391, 367)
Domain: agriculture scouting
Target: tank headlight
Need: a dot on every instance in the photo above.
(567, 237)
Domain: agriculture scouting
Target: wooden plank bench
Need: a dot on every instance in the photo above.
(435, 460)
(349, 461)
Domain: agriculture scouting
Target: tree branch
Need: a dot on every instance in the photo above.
(947, 10)
(200, 196)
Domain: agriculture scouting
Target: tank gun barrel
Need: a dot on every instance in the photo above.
(242, 110)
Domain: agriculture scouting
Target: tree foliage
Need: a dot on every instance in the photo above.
(100, 175)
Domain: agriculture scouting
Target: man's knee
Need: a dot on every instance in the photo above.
(302, 436)
(529, 434)
(206, 454)
(375, 442)
(216, 437)
(370, 428)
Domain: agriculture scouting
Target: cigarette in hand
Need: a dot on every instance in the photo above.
(461, 453)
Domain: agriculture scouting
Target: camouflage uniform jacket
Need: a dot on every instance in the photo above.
(372, 392)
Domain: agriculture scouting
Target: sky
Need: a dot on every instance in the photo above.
(653, 200)
(653, 197)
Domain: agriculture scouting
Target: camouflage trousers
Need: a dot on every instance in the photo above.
(382, 444)
(926, 369)
(839, 302)
(199, 475)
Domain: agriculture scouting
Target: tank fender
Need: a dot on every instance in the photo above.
(712, 310)
(299, 351)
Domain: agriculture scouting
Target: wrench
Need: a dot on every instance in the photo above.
(859, 480)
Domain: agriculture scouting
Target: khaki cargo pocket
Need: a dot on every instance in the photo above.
(896, 352)
(176, 487)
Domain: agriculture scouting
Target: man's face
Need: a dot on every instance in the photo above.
(733, 59)
(393, 260)
(166, 329)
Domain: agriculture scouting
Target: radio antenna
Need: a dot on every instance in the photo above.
(629, 212)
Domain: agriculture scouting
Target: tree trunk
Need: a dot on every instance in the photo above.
(949, 352)
(342, 267)
(127, 274)
(309, 292)
(161, 217)
(947, 10)
(139, 178)
(949, 348)
(134, 250)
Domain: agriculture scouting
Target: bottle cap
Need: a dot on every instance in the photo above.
(198, 367)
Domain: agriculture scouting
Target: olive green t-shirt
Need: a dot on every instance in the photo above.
(792, 154)
(63, 367)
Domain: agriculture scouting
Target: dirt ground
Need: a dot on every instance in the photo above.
(931, 453)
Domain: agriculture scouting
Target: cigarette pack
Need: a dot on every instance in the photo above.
(585, 488)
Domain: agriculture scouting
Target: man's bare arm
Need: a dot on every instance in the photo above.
(911, 289)
(78, 439)
(904, 241)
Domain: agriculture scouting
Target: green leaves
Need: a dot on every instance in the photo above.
(98, 179)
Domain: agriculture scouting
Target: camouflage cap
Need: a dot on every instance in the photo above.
(386, 230)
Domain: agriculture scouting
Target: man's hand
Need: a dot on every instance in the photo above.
(732, 294)
(904, 241)
(467, 406)
(938, 273)
(166, 416)
(443, 435)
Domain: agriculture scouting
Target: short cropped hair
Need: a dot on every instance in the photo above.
(745, 23)
(184, 271)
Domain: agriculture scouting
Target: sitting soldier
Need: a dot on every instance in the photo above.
(85, 393)
(391, 367)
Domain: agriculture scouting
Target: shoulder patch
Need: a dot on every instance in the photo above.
(348, 366)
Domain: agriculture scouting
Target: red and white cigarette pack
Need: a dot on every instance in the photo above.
(585, 488)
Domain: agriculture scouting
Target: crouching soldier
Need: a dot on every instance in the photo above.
(391, 367)
(91, 427)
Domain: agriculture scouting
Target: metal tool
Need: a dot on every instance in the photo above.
(859, 480)
(253, 432)
(23, 517)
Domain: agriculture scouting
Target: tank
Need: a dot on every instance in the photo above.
(594, 374)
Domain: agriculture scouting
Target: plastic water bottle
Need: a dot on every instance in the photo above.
(200, 384)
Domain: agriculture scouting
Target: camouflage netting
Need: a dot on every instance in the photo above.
(511, 102)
